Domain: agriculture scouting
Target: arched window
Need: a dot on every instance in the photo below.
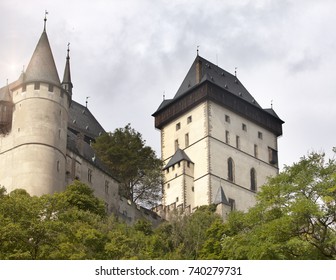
(253, 179)
(230, 169)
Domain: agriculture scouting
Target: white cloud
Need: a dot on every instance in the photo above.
(125, 54)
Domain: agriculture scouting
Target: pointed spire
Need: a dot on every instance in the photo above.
(221, 197)
(67, 84)
(45, 20)
(42, 67)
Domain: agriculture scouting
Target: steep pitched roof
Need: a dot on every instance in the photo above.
(42, 66)
(67, 74)
(81, 120)
(214, 74)
(218, 76)
(87, 153)
(176, 158)
(221, 197)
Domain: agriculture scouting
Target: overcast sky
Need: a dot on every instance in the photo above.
(126, 54)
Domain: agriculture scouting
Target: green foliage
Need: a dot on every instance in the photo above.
(294, 217)
(82, 197)
(69, 225)
(133, 163)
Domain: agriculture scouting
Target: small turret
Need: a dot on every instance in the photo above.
(66, 83)
(6, 110)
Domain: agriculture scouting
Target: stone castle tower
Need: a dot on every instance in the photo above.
(45, 137)
(34, 128)
(219, 146)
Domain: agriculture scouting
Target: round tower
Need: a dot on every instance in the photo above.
(6, 110)
(39, 126)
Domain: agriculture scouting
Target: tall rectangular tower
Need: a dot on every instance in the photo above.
(219, 146)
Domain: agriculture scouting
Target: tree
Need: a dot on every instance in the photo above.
(183, 236)
(133, 163)
(67, 225)
(294, 218)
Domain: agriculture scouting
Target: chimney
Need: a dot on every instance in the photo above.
(198, 70)
(80, 143)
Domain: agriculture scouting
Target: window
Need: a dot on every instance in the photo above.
(273, 156)
(232, 203)
(89, 175)
(50, 88)
(107, 187)
(186, 138)
(260, 135)
(192, 189)
(188, 164)
(244, 127)
(230, 170)
(58, 166)
(36, 86)
(255, 150)
(176, 145)
(189, 119)
(227, 137)
(178, 126)
(237, 142)
(227, 119)
(168, 186)
(253, 179)
(177, 199)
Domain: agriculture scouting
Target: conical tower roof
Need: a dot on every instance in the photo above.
(5, 95)
(67, 84)
(42, 67)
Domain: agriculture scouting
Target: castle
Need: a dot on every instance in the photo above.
(219, 146)
(45, 136)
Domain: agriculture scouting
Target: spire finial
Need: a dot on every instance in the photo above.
(68, 51)
(197, 49)
(272, 104)
(236, 71)
(86, 102)
(164, 95)
(45, 20)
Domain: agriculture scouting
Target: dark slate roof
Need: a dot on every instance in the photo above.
(67, 73)
(220, 197)
(165, 103)
(213, 73)
(176, 158)
(272, 112)
(87, 152)
(81, 120)
(42, 66)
